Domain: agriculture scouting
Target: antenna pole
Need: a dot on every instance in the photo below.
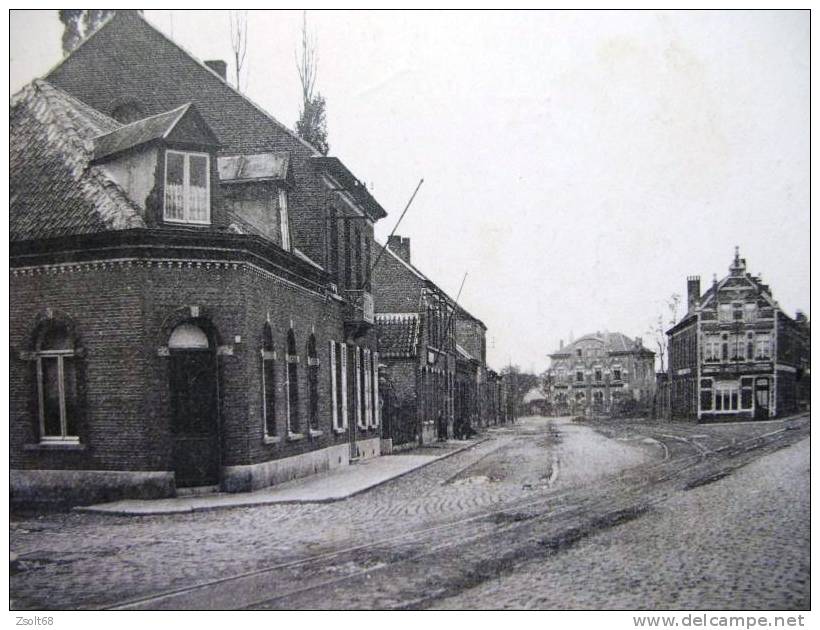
(396, 227)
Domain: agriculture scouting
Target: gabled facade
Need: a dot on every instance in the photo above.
(190, 301)
(602, 373)
(736, 354)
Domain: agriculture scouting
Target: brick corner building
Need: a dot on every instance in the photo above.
(736, 354)
(189, 286)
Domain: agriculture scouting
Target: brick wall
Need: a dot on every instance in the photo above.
(123, 314)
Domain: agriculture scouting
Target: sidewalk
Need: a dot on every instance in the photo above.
(335, 485)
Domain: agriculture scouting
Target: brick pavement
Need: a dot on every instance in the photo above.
(738, 543)
(86, 560)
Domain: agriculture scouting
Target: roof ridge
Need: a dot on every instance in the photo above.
(204, 66)
(142, 120)
(47, 110)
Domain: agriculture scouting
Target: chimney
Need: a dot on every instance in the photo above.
(638, 342)
(400, 246)
(218, 66)
(692, 291)
(561, 344)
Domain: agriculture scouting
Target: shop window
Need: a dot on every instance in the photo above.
(57, 385)
(268, 382)
(726, 397)
(187, 187)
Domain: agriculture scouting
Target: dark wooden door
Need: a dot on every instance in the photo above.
(762, 401)
(194, 417)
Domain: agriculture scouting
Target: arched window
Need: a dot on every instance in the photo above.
(268, 382)
(313, 383)
(292, 383)
(57, 384)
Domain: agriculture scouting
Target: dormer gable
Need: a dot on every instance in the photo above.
(166, 163)
(182, 127)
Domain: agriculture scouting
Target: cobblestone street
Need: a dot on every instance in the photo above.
(544, 514)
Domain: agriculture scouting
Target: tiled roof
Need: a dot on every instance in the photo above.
(53, 191)
(612, 342)
(139, 132)
(398, 334)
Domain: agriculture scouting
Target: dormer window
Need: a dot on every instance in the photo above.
(187, 187)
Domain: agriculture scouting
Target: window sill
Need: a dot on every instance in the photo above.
(315, 433)
(271, 439)
(55, 446)
(340, 431)
(295, 437)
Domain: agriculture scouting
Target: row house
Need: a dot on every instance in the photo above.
(417, 346)
(478, 388)
(601, 372)
(190, 301)
(736, 354)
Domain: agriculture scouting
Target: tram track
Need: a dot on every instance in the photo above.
(529, 519)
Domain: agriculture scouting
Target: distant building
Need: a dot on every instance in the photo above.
(535, 402)
(601, 373)
(736, 354)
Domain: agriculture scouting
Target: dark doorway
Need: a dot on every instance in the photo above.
(761, 398)
(194, 422)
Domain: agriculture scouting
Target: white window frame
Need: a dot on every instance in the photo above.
(284, 219)
(186, 183)
(726, 312)
(763, 341)
(333, 393)
(343, 354)
(368, 391)
(358, 371)
(724, 392)
(60, 355)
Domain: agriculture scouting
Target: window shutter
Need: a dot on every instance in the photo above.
(333, 384)
(343, 355)
(368, 400)
(358, 371)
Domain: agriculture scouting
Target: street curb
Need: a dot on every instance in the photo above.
(466, 447)
(90, 509)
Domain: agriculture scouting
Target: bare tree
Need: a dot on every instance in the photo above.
(79, 24)
(661, 324)
(239, 42)
(312, 124)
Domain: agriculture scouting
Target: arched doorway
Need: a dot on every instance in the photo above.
(194, 422)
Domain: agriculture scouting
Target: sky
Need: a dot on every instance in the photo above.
(578, 166)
